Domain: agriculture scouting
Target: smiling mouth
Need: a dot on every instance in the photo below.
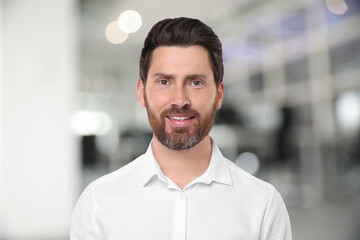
(177, 118)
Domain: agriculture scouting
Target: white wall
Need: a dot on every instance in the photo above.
(39, 164)
(1, 103)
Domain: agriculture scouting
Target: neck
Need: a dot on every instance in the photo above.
(183, 166)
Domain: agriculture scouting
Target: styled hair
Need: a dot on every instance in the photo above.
(182, 32)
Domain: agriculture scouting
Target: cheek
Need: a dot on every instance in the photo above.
(206, 102)
(156, 101)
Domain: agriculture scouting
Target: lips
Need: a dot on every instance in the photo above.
(180, 118)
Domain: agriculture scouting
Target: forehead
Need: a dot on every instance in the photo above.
(176, 58)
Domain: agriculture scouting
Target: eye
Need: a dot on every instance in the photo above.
(197, 83)
(163, 82)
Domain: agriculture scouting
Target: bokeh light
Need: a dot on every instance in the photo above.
(129, 21)
(86, 123)
(348, 112)
(337, 7)
(248, 161)
(114, 34)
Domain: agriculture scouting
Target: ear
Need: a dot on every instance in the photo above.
(219, 96)
(140, 91)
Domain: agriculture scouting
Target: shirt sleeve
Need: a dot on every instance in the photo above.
(83, 223)
(276, 222)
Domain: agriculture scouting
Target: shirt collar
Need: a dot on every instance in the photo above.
(150, 167)
(217, 171)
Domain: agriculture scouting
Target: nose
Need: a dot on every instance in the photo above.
(180, 97)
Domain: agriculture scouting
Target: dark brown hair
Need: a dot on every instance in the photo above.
(182, 32)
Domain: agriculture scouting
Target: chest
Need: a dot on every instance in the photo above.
(178, 215)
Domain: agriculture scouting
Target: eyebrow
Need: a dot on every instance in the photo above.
(188, 77)
(163, 75)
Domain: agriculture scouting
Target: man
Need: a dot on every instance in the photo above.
(182, 187)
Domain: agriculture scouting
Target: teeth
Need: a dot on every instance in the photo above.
(179, 118)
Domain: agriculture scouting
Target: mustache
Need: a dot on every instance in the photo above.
(177, 110)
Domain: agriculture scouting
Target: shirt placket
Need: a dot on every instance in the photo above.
(180, 212)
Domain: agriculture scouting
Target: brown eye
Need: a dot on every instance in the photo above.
(163, 82)
(197, 83)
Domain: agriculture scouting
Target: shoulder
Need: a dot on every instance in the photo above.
(127, 175)
(100, 193)
(257, 195)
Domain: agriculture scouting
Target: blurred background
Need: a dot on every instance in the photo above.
(69, 113)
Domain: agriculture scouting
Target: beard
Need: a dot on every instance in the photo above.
(180, 138)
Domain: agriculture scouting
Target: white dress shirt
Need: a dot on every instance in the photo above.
(138, 202)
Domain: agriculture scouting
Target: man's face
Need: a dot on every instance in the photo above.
(180, 95)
